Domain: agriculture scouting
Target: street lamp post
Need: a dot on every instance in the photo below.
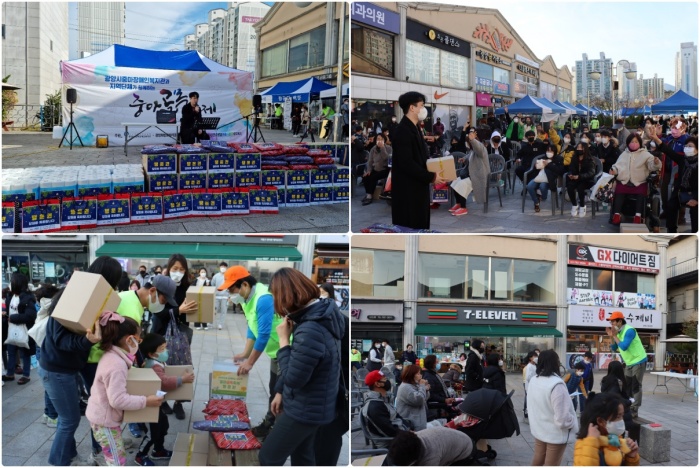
(629, 74)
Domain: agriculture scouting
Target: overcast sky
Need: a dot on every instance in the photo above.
(648, 33)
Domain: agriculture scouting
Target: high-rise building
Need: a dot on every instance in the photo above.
(228, 37)
(627, 86)
(688, 68)
(678, 70)
(100, 25)
(585, 84)
(650, 88)
(34, 41)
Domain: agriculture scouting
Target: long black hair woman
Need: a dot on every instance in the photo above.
(63, 355)
(307, 388)
(21, 310)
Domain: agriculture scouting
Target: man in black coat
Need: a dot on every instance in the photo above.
(474, 371)
(527, 153)
(410, 177)
(191, 116)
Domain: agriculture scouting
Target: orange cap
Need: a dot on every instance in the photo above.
(617, 315)
(232, 275)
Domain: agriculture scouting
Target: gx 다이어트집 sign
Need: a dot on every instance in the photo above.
(615, 259)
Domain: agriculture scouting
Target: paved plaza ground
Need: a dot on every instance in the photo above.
(26, 441)
(506, 219)
(36, 149)
(667, 409)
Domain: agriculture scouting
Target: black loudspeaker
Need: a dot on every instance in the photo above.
(257, 100)
(71, 96)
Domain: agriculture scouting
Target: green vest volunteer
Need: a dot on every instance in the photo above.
(628, 343)
(595, 124)
(355, 356)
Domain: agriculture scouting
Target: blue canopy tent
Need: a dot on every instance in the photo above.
(586, 110)
(571, 107)
(299, 91)
(530, 105)
(557, 108)
(679, 102)
(630, 111)
(596, 110)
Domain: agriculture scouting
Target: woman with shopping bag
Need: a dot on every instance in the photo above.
(21, 314)
(550, 167)
(477, 172)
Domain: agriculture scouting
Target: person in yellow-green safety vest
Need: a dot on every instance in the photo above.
(595, 124)
(355, 359)
(626, 342)
(257, 304)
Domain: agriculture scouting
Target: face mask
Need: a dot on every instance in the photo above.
(237, 299)
(535, 360)
(516, 120)
(203, 275)
(393, 119)
(133, 345)
(156, 306)
(585, 140)
(633, 146)
(158, 273)
(550, 155)
(567, 140)
(579, 152)
(689, 151)
(579, 373)
(605, 140)
(222, 269)
(162, 357)
(616, 427)
(652, 145)
(531, 139)
(324, 295)
(142, 272)
(177, 276)
(500, 363)
(422, 113)
(597, 139)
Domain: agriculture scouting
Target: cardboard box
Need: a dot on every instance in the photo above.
(161, 182)
(226, 381)
(85, 298)
(217, 456)
(192, 162)
(190, 450)
(186, 391)
(371, 461)
(446, 165)
(192, 180)
(142, 382)
(247, 179)
(204, 297)
(159, 163)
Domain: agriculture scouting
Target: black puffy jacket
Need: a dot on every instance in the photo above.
(474, 372)
(495, 379)
(310, 366)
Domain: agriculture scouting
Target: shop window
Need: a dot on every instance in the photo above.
(483, 70)
(501, 275)
(307, 50)
(274, 60)
(377, 273)
(478, 277)
(534, 281)
(422, 63)
(501, 75)
(373, 51)
(441, 276)
(454, 71)
(631, 282)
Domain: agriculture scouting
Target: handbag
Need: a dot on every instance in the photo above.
(177, 344)
(606, 192)
(462, 186)
(17, 335)
(539, 164)
(541, 177)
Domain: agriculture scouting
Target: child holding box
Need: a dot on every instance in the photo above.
(154, 349)
(109, 398)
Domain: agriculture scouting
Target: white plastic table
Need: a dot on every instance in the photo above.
(683, 378)
(147, 126)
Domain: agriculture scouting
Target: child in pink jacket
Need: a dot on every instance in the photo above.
(108, 396)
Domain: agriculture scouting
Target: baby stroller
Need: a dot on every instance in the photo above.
(487, 414)
(652, 205)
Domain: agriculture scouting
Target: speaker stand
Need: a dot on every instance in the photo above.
(71, 126)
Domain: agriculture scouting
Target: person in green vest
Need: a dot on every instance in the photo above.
(278, 115)
(327, 112)
(595, 125)
(257, 304)
(355, 358)
(132, 305)
(576, 125)
(626, 342)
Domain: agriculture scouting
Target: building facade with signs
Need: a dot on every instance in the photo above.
(546, 292)
(465, 60)
(297, 41)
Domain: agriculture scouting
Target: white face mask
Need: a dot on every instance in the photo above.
(203, 274)
(605, 140)
(422, 113)
(597, 139)
(133, 345)
(177, 276)
(585, 140)
(156, 306)
(616, 427)
(237, 299)
(550, 155)
(516, 120)
(535, 360)
(500, 363)
(689, 151)
(324, 295)
(652, 145)
(567, 140)
(222, 269)
(579, 373)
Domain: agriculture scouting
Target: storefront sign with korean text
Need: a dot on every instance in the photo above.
(492, 58)
(615, 259)
(372, 15)
(595, 316)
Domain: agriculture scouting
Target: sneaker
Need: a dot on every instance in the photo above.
(161, 454)
(582, 212)
(455, 208)
(206, 327)
(537, 208)
(135, 430)
(44, 418)
(143, 460)
(385, 196)
(23, 380)
(434, 206)
(637, 220)
(220, 327)
(52, 423)
(128, 443)
(179, 410)
(8, 378)
(262, 430)
(616, 219)
(460, 212)
(95, 459)
(166, 408)
(574, 211)
(198, 327)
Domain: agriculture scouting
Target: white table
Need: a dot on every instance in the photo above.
(683, 378)
(147, 126)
